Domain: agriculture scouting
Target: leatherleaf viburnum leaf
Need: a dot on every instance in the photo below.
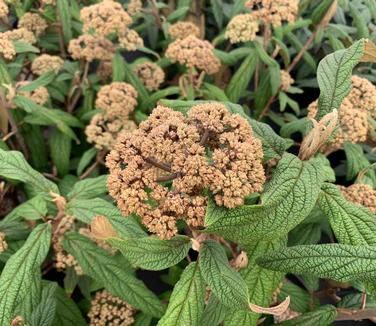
(107, 270)
(339, 262)
(17, 276)
(226, 284)
(352, 224)
(287, 199)
(152, 253)
(187, 299)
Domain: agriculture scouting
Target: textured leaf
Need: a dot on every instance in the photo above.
(351, 224)
(214, 312)
(17, 276)
(107, 270)
(44, 313)
(217, 6)
(118, 68)
(89, 188)
(42, 80)
(335, 261)
(287, 199)
(301, 300)
(241, 78)
(334, 76)
(14, 166)
(152, 253)
(67, 313)
(226, 284)
(60, 151)
(32, 209)
(24, 47)
(322, 316)
(187, 300)
(65, 16)
(85, 209)
(261, 282)
(355, 160)
(85, 160)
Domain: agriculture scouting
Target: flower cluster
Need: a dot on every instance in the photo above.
(107, 309)
(134, 7)
(89, 47)
(286, 80)
(169, 147)
(183, 29)
(117, 100)
(360, 194)
(39, 95)
(193, 52)
(33, 23)
(3, 243)
(242, 28)
(274, 12)
(46, 62)
(20, 34)
(63, 260)
(131, 41)
(4, 10)
(7, 49)
(150, 74)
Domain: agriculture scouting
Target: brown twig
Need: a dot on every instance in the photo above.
(72, 104)
(92, 167)
(162, 166)
(355, 314)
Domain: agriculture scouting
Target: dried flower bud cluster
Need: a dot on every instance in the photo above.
(90, 48)
(150, 74)
(106, 309)
(20, 34)
(242, 28)
(3, 243)
(33, 23)
(104, 70)
(193, 52)
(183, 29)
(353, 125)
(4, 10)
(105, 18)
(7, 49)
(39, 95)
(46, 62)
(63, 260)
(131, 41)
(171, 147)
(134, 7)
(117, 99)
(103, 131)
(360, 194)
(286, 80)
(274, 12)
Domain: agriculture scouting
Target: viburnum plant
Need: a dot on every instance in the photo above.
(187, 162)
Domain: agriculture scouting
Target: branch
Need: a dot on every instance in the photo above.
(355, 314)
(162, 166)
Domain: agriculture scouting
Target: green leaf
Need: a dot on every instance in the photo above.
(152, 253)
(215, 93)
(32, 209)
(44, 313)
(85, 209)
(335, 261)
(14, 166)
(334, 76)
(89, 188)
(17, 276)
(300, 299)
(42, 80)
(287, 199)
(107, 270)
(224, 281)
(154, 97)
(60, 151)
(24, 47)
(187, 300)
(359, 21)
(118, 74)
(261, 282)
(85, 160)
(65, 16)
(240, 80)
(214, 312)
(232, 57)
(217, 6)
(351, 224)
(178, 14)
(67, 313)
(322, 316)
(355, 160)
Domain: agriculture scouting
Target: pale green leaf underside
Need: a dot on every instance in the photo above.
(288, 198)
(334, 76)
(226, 284)
(187, 299)
(107, 270)
(352, 224)
(14, 166)
(339, 262)
(17, 276)
(152, 253)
